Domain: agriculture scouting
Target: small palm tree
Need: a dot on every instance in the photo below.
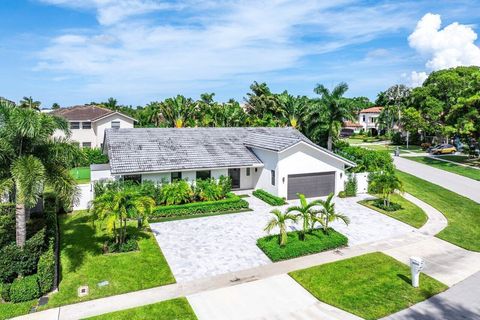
(386, 183)
(279, 220)
(292, 108)
(328, 213)
(29, 103)
(306, 212)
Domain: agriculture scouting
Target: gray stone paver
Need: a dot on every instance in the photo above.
(204, 247)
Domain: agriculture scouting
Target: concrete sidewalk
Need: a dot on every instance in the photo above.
(461, 301)
(459, 184)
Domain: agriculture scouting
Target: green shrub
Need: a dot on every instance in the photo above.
(208, 190)
(367, 160)
(392, 207)
(351, 186)
(226, 205)
(177, 192)
(397, 139)
(7, 223)
(268, 197)
(130, 244)
(46, 270)
(5, 291)
(25, 289)
(342, 194)
(316, 241)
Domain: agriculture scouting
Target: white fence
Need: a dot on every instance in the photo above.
(86, 195)
(362, 182)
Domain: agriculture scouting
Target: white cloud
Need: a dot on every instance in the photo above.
(203, 43)
(444, 48)
(417, 78)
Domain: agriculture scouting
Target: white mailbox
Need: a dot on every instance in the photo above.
(416, 265)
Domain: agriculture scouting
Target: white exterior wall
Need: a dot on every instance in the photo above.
(95, 135)
(217, 173)
(246, 182)
(370, 120)
(306, 159)
(106, 123)
(262, 178)
(158, 177)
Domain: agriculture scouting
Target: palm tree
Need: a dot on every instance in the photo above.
(111, 104)
(29, 103)
(335, 108)
(386, 183)
(306, 212)
(279, 220)
(31, 159)
(116, 207)
(328, 213)
(292, 108)
(178, 111)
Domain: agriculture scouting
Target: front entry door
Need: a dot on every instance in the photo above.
(234, 174)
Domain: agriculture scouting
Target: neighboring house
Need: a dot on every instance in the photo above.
(350, 127)
(281, 161)
(88, 123)
(368, 118)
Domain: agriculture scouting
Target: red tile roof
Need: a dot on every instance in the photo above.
(352, 124)
(372, 110)
(82, 113)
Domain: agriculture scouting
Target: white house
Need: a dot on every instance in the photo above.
(368, 118)
(281, 161)
(88, 123)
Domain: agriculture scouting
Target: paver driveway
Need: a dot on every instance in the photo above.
(203, 247)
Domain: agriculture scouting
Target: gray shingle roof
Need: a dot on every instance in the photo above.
(166, 149)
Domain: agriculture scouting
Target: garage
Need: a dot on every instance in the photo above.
(316, 184)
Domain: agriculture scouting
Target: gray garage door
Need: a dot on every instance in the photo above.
(316, 184)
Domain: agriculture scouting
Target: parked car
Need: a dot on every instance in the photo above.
(444, 149)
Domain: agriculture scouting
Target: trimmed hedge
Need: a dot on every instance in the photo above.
(25, 289)
(7, 223)
(46, 270)
(268, 197)
(316, 241)
(189, 209)
(5, 291)
(367, 160)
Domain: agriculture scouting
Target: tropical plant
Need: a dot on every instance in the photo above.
(178, 111)
(279, 220)
(29, 103)
(385, 183)
(31, 159)
(176, 192)
(328, 213)
(293, 108)
(335, 108)
(208, 190)
(115, 208)
(306, 212)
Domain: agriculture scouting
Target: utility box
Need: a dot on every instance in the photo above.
(416, 265)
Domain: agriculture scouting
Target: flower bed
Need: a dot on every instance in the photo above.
(316, 241)
(268, 197)
(231, 204)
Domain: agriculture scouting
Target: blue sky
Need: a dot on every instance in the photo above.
(78, 51)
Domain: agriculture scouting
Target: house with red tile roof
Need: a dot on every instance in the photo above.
(368, 119)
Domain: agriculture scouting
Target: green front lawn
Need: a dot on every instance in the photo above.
(463, 214)
(448, 166)
(410, 213)
(83, 263)
(315, 242)
(11, 310)
(166, 310)
(371, 286)
(473, 162)
(81, 174)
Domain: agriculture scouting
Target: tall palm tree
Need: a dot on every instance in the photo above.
(328, 213)
(335, 108)
(31, 159)
(305, 211)
(279, 220)
(111, 104)
(29, 103)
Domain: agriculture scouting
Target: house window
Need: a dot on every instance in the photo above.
(86, 125)
(74, 125)
(272, 172)
(363, 118)
(205, 174)
(175, 176)
(86, 144)
(134, 178)
(115, 124)
(248, 172)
